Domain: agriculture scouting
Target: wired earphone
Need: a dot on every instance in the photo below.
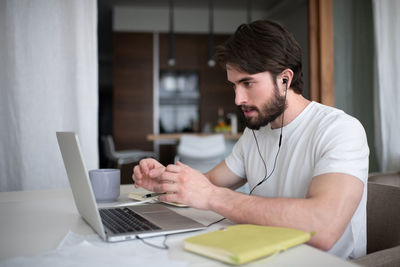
(266, 177)
(164, 244)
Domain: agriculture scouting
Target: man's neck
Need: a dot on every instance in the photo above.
(295, 105)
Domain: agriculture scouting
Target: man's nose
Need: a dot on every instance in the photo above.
(240, 97)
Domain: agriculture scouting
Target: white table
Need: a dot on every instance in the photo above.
(33, 222)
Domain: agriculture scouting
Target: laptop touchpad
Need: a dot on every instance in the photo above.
(167, 219)
(162, 216)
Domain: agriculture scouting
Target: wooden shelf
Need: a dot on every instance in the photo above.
(177, 136)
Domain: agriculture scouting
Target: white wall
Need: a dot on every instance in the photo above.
(186, 20)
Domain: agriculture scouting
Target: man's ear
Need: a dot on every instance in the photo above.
(285, 79)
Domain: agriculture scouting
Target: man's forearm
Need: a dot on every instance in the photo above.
(222, 176)
(284, 212)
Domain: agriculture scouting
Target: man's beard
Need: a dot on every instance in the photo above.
(270, 111)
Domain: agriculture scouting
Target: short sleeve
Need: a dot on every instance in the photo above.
(235, 161)
(342, 148)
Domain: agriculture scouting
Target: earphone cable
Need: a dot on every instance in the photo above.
(164, 244)
(220, 220)
(265, 164)
(266, 177)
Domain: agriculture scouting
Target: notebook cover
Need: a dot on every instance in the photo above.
(242, 243)
(140, 197)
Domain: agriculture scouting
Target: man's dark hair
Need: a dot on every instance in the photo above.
(261, 46)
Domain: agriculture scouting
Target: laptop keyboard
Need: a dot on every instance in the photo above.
(124, 220)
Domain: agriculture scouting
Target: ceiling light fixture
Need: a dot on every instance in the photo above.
(249, 6)
(211, 61)
(171, 41)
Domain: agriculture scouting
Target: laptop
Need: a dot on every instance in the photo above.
(116, 223)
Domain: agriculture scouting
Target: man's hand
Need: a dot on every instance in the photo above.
(185, 185)
(147, 174)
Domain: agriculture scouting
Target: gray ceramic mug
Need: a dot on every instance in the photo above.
(105, 184)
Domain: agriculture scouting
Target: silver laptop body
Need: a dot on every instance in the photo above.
(166, 220)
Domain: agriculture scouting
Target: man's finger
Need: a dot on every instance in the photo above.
(136, 173)
(144, 166)
(168, 187)
(168, 177)
(173, 168)
(156, 172)
(178, 163)
(169, 198)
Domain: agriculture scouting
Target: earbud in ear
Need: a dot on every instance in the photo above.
(285, 80)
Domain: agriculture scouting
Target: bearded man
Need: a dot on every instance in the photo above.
(306, 164)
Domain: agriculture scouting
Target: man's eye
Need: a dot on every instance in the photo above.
(248, 84)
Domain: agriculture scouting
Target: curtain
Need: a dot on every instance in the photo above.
(387, 92)
(48, 83)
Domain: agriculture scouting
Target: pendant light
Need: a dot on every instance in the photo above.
(211, 61)
(249, 6)
(171, 41)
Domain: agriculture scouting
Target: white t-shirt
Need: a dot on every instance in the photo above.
(319, 140)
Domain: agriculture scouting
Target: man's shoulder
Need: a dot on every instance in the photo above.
(323, 111)
(327, 116)
(328, 125)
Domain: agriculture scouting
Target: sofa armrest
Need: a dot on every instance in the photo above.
(383, 258)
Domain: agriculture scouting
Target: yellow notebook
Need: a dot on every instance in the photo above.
(242, 243)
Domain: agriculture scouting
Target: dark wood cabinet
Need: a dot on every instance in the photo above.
(133, 83)
(191, 53)
(132, 90)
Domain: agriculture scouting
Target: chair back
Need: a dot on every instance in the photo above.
(201, 152)
(109, 147)
(389, 178)
(383, 216)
